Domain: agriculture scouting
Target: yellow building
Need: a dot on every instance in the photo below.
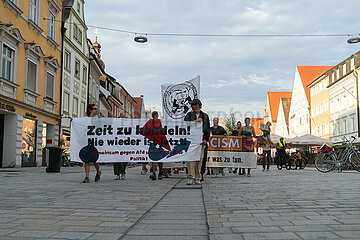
(30, 77)
(319, 107)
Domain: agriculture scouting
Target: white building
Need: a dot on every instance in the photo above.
(75, 65)
(299, 123)
(282, 126)
(343, 99)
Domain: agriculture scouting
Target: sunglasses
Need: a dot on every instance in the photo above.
(94, 109)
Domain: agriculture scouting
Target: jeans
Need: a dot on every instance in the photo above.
(266, 155)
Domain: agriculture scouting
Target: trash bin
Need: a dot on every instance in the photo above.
(54, 157)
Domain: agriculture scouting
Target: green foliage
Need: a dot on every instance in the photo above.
(230, 122)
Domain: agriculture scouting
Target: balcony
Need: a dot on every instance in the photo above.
(8, 88)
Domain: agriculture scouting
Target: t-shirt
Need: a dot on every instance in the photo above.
(219, 130)
(235, 133)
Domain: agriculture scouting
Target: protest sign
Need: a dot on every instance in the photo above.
(232, 151)
(176, 98)
(107, 140)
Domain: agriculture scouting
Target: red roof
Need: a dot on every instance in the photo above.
(309, 74)
(137, 113)
(274, 102)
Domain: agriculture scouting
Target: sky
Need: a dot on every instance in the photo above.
(235, 73)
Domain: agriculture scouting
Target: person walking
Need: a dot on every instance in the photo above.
(235, 132)
(267, 147)
(247, 131)
(91, 111)
(217, 130)
(154, 165)
(120, 167)
(196, 169)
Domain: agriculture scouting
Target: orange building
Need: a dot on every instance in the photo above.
(272, 107)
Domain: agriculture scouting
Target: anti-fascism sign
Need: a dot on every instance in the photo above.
(134, 140)
(229, 151)
(176, 98)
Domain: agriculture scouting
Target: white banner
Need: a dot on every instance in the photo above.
(231, 159)
(176, 98)
(107, 140)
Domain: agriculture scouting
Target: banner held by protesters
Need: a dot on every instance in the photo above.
(232, 151)
(176, 98)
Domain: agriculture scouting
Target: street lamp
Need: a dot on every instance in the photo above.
(353, 40)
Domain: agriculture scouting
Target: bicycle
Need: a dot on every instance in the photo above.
(329, 158)
(282, 160)
(296, 163)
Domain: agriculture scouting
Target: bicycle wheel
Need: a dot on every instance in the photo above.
(302, 164)
(324, 162)
(355, 160)
(288, 163)
(293, 163)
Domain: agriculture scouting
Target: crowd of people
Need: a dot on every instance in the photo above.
(197, 167)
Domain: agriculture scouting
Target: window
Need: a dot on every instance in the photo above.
(34, 11)
(79, 37)
(353, 124)
(352, 64)
(327, 128)
(344, 69)
(82, 109)
(326, 106)
(66, 102)
(77, 33)
(52, 26)
(31, 76)
(49, 92)
(84, 74)
(344, 128)
(67, 60)
(7, 63)
(78, 8)
(75, 106)
(338, 73)
(77, 68)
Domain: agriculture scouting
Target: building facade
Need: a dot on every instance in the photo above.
(282, 126)
(30, 54)
(299, 123)
(272, 107)
(74, 89)
(140, 111)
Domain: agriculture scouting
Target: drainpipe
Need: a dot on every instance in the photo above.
(356, 74)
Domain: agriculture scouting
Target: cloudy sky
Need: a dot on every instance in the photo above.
(235, 73)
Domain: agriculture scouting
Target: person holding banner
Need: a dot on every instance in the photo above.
(120, 167)
(267, 147)
(196, 168)
(235, 132)
(217, 130)
(154, 165)
(91, 111)
(247, 131)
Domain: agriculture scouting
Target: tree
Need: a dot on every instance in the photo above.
(230, 122)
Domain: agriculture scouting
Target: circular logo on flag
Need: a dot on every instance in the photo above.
(177, 99)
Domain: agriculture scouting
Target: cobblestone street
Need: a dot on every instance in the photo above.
(282, 204)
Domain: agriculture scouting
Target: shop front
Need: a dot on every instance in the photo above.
(24, 133)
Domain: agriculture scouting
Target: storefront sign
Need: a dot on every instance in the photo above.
(30, 115)
(7, 107)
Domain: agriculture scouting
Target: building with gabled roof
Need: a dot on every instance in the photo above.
(299, 123)
(282, 123)
(272, 107)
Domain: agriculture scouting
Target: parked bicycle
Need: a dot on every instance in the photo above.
(330, 158)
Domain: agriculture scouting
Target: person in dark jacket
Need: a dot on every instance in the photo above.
(216, 130)
(196, 169)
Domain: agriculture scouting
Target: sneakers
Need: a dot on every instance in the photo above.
(249, 175)
(152, 177)
(86, 180)
(160, 176)
(190, 182)
(263, 169)
(97, 177)
(267, 169)
(214, 176)
(143, 172)
(118, 177)
(122, 176)
(197, 182)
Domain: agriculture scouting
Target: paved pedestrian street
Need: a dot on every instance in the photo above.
(282, 204)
